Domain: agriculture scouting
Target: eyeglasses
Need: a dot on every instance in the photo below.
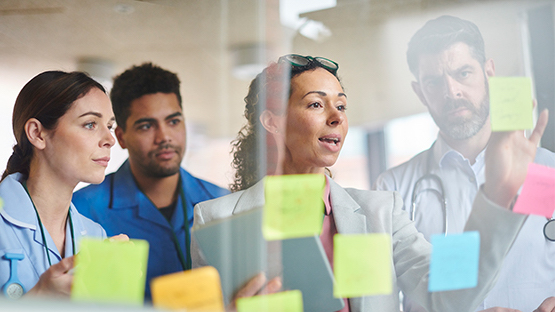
(301, 61)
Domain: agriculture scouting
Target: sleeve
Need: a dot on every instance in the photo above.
(197, 258)
(498, 229)
(385, 182)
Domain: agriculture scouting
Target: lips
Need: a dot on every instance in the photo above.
(102, 161)
(331, 142)
(166, 154)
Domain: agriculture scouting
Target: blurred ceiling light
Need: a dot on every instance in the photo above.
(248, 61)
(123, 8)
(289, 11)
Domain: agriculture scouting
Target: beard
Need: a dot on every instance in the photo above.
(460, 127)
(161, 170)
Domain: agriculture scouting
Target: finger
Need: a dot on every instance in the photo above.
(540, 127)
(274, 285)
(252, 287)
(63, 266)
(119, 237)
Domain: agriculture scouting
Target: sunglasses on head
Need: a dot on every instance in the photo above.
(301, 61)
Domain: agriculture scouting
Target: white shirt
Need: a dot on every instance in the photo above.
(527, 276)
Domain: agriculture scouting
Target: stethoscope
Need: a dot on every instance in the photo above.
(185, 262)
(416, 191)
(548, 228)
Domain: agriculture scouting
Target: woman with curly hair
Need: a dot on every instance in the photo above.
(304, 119)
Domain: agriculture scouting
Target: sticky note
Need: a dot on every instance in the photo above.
(293, 206)
(362, 265)
(454, 262)
(111, 272)
(511, 103)
(193, 290)
(1, 204)
(537, 196)
(287, 301)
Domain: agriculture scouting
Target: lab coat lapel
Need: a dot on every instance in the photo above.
(347, 221)
(252, 198)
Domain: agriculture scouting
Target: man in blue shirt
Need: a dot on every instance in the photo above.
(150, 197)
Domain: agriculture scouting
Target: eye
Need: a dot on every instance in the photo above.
(342, 108)
(144, 126)
(175, 121)
(111, 127)
(90, 125)
(315, 105)
(465, 74)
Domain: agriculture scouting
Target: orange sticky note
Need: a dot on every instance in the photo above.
(538, 192)
(194, 290)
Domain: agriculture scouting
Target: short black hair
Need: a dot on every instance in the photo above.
(138, 81)
(440, 33)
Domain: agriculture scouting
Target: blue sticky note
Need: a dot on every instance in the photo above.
(454, 263)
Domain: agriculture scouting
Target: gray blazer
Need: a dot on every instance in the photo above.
(358, 211)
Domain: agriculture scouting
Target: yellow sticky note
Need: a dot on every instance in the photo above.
(193, 290)
(1, 204)
(112, 272)
(362, 265)
(511, 103)
(287, 301)
(294, 206)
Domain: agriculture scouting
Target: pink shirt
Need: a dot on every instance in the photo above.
(328, 231)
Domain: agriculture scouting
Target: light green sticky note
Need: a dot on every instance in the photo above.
(511, 103)
(1, 204)
(293, 206)
(287, 301)
(110, 272)
(362, 265)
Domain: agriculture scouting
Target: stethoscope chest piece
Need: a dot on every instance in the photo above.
(13, 289)
(549, 230)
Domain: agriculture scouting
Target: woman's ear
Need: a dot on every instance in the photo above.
(35, 133)
(271, 122)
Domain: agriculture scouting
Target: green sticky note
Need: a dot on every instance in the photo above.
(362, 265)
(294, 206)
(1, 204)
(287, 301)
(511, 103)
(110, 272)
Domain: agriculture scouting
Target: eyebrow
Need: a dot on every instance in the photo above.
(97, 114)
(322, 93)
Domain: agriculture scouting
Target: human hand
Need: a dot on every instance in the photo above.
(56, 281)
(548, 305)
(119, 237)
(500, 309)
(507, 158)
(255, 287)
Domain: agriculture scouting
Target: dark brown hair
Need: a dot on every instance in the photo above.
(46, 97)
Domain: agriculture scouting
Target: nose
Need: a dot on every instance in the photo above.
(452, 88)
(162, 134)
(335, 117)
(108, 139)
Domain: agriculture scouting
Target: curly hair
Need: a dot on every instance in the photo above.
(138, 81)
(270, 90)
(46, 97)
(440, 33)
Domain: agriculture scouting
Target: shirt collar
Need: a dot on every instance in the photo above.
(443, 153)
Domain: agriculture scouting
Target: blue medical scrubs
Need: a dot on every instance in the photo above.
(20, 234)
(120, 207)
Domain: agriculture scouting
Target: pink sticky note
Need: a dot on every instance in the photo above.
(538, 192)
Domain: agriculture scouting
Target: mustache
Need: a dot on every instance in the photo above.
(166, 146)
(452, 104)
